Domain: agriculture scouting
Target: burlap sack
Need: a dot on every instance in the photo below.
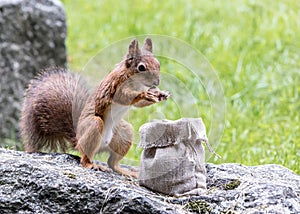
(173, 158)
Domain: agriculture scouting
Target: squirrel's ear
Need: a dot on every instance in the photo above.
(148, 44)
(133, 50)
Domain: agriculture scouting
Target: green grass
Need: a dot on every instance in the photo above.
(253, 46)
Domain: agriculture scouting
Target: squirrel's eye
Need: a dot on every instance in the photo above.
(141, 67)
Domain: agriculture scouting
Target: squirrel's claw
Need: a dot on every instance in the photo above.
(126, 172)
(164, 95)
(98, 167)
(159, 95)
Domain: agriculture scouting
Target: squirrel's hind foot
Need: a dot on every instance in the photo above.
(126, 172)
(99, 167)
(87, 163)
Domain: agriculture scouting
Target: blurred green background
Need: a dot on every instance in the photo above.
(253, 46)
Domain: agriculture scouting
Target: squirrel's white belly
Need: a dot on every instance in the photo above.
(112, 119)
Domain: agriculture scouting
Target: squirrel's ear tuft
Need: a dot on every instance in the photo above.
(148, 44)
(133, 50)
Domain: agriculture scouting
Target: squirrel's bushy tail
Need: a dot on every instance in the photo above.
(51, 108)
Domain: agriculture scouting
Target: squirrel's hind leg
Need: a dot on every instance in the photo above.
(87, 163)
(119, 147)
(89, 135)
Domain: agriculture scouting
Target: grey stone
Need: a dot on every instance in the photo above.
(56, 183)
(32, 37)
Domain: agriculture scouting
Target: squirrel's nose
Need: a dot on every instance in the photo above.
(156, 82)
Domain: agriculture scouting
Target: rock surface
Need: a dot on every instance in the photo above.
(56, 183)
(32, 37)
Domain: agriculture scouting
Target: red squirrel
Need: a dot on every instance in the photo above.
(58, 110)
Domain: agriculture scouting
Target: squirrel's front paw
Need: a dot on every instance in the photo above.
(160, 95)
(164, 95)
(152, 97)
